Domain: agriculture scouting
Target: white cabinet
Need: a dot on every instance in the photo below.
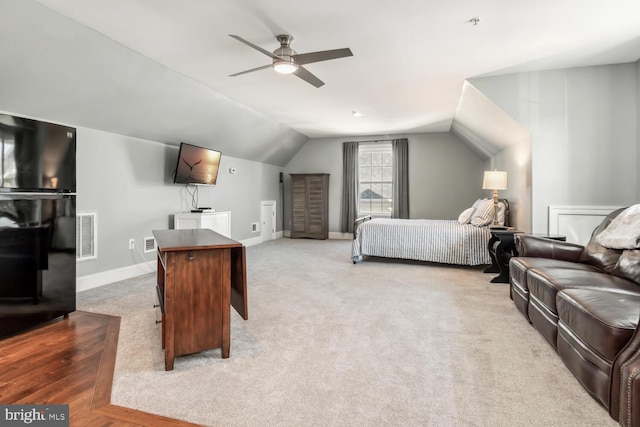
(220, 222)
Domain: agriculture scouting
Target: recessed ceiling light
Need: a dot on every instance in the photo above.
(356, 114)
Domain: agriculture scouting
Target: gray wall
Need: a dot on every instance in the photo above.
(504, 142)
(583, 123)
(56, 68)
(638, 126)
(445, 175)
(516, 161)
(128, 182)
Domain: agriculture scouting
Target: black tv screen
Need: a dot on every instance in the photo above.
(36, 155)
(197, 165)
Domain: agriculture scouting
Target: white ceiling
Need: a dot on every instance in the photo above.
(411, 57)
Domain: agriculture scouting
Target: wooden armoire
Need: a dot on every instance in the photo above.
(310, 205)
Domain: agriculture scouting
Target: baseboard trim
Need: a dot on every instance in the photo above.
(332, 235)
(91, 281)
(257, 240)
(340, 236)
(252, 241)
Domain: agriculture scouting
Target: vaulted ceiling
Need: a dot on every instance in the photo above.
(159, 69)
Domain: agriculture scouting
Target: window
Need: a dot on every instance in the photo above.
(375, 179)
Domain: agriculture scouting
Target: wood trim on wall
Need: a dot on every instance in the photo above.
(577, 222)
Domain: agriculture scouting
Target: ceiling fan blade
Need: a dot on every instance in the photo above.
(305, 75)
(251, 70)
(322, 55)
(258, 48)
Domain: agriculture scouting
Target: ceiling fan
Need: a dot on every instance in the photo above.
(287, 60)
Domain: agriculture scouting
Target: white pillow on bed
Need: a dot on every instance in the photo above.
(502, 210)
(465, 216)
(477, 203)
(484, 214)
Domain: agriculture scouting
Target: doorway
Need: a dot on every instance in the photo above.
(267, 220)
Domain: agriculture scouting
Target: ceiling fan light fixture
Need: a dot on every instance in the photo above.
(287, 61)
(285, 67)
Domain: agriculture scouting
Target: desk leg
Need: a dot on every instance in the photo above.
(168, 360)
(226, 331)
(239, 281)
(226, 304)
(169, 316)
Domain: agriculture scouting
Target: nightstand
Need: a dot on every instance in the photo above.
(501, 248)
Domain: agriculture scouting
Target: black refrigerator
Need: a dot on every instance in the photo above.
(37, 223)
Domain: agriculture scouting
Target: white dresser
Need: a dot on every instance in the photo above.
(220, 222)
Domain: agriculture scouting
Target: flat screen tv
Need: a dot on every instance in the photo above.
(197, 165)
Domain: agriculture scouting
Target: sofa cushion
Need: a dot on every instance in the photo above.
(596, 254)
(604, 320)
(518, 267)
(545, 283)
(628, 265)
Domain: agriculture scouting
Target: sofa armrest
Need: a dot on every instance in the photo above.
(534, 246)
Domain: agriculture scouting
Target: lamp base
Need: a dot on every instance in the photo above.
(495, 208)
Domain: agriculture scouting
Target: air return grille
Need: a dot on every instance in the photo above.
(150, 245)
(86, 236)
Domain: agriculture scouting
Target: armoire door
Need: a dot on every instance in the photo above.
(310, 201)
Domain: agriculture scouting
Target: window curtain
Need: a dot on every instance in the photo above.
(349, 186)
(400, 149)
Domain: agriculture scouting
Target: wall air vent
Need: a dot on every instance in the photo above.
(86, 236)
(150, 245)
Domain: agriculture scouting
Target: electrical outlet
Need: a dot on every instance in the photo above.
(132, 243)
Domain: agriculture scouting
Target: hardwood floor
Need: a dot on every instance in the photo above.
(70, 361)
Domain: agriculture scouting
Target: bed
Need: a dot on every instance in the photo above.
(462, 242)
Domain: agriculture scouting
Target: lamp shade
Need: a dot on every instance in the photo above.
(494, 180)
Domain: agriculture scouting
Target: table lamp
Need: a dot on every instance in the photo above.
(495, 180)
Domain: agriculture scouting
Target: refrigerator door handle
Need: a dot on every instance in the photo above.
(35, 196)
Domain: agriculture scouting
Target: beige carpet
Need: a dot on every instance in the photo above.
(330, 343)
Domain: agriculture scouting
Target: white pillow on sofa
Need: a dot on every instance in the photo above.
(465, 216)
(624, 230)
(484, 214)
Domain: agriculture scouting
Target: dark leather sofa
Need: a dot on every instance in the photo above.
(585, 300)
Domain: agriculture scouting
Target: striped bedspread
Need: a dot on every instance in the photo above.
(434, 240)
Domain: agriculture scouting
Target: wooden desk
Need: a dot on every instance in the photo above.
(200, 273)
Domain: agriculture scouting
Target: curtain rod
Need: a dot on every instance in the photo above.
(376, 140)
